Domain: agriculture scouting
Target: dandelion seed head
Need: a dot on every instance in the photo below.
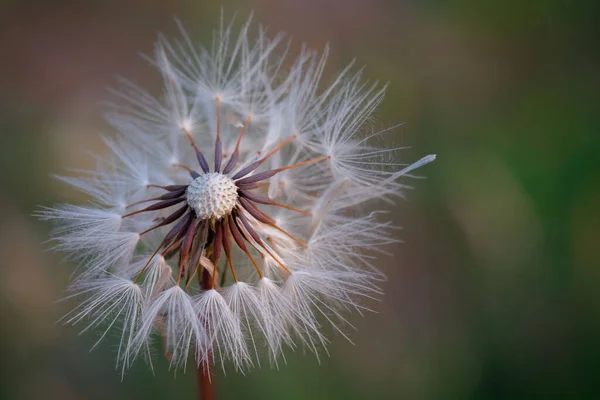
(212, 196)
(233, 215)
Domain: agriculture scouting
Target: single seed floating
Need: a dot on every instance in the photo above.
(212, 196)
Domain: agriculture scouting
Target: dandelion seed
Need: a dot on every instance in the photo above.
(230, 213)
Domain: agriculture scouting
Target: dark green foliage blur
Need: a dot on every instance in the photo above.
(494, 293)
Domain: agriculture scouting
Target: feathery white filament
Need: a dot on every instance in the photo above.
(285, 207)
(111, 301)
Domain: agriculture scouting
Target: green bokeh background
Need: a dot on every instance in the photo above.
(494, 293)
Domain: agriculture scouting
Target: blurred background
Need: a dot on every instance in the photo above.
(494, 293)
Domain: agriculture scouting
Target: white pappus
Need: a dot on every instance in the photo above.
(233, 212)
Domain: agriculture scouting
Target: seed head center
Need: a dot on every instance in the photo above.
(212, 195)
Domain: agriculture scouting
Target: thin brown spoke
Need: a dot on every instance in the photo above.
(256, 185)
(137, 203)
(314, 160)
(267, 174)
(259, 241)
(173, 235)
(265, 219)
(168, 196)
(146, 266)
(193, 173)
(199, 155)
(246, 170)
(275, 204)
(227, 248)
(169, 188)
(171, 249)
(239, 240)
(300, 242)
(231, 163)
(247, 226)
(243, 130)
(157, 206)
(218, 144)
(272, 242)
(275, 258)
(216, 253)
(267, 201)
(276, 149)
(255, 212)
(234, 156)
(171, 218)
(184, 251)
(261, 176)
(197, 250)
(188, 169)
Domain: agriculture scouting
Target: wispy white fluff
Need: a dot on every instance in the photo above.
(111, 304)
(91, 236)
(315, 264)
(276, 316)
(174, 314)
(224, 330)
(306, 326)
(154, 274)
(246, 307)
(81, 221)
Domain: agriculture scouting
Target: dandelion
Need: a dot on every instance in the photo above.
(231, 218)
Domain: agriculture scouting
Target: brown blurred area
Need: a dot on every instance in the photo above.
(494, 293)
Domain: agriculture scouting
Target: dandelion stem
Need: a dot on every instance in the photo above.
(206, 390)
